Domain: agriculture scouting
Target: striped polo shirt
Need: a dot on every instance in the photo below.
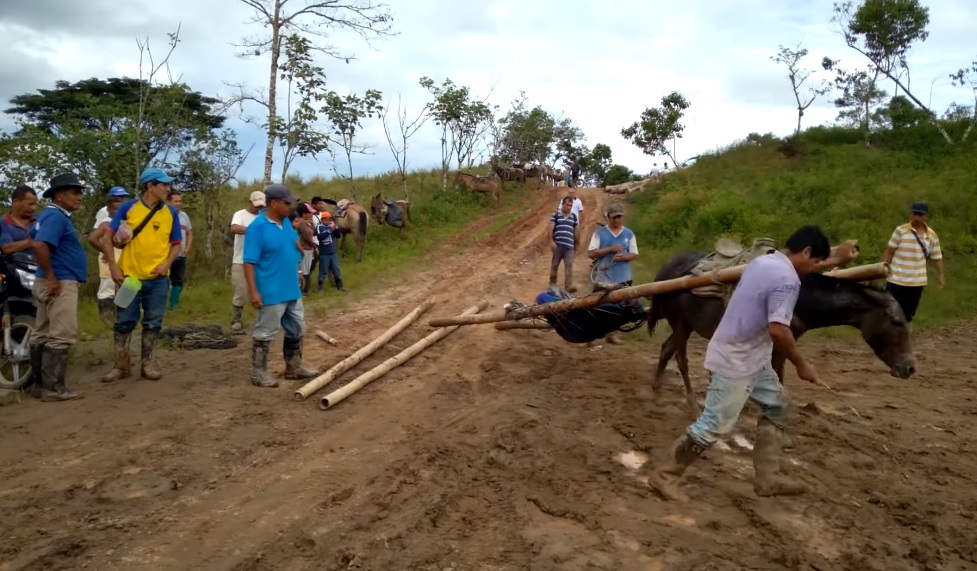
(563, 227)
(909, 261)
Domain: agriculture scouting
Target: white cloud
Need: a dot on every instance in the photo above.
(599, 63)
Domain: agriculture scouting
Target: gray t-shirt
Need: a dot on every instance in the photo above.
(185, 226)
(767, 293)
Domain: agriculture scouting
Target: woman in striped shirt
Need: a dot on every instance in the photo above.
(910, 246)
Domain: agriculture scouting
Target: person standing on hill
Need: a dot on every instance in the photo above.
(148, 231)
(178, 271)
(564, 239)
(273, 270)
(106, 287)
(910, 246)
(239, 225)
(61, 266)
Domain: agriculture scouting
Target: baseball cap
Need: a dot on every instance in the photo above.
(118, 191)
(257, 198)
(615, 209)
(325, 214)
(920, 207)
(154, 175)
(281, 192)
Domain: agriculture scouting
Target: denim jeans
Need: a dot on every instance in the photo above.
(725, 400)
(151, 299)
(289, 316)
(329, 262)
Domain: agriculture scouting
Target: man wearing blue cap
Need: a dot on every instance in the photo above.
(147, 229)
(106, 287)
(272, 269)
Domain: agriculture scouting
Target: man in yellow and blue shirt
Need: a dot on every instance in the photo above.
(148, 231)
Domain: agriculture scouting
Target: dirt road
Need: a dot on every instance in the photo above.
(491, 451)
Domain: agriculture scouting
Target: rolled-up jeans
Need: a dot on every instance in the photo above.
(726, 398)
(289, 315)
(565, 255)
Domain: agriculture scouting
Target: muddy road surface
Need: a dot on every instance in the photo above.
(490, 451)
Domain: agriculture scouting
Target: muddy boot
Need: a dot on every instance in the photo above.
(106, 310)
(236, 326)
(149, 370)
(666, 477)
(175, 292)
(259, 365)
(570, 287)
(294, 370)
(766, 461)
(54, 365)
(339, 285)
(35, 382)
(121, 368)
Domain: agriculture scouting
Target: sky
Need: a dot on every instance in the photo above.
(598, 63)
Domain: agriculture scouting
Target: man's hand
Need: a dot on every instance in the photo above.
(117, 275)
(256, 300)
(160, 270)
(186, 253)
(301, 281)
(807, 373)
(552, 246)
(53, 288)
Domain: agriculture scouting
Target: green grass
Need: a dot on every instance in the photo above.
(851, 191)
(389, 254)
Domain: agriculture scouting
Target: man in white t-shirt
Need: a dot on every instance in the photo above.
(239, 224)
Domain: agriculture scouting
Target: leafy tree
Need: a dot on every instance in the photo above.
(901, 114)
(526, 134)
(320, 18)
(463, 122)
(967, 77)
(618, 174)
(884, 31)
(566, 138)
(345, 114)
(398, 141)
(860, 93)
(297, 132)
(597, 163)
(798, 76)
(658, 125)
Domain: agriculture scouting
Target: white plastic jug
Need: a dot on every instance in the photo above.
(127, 292)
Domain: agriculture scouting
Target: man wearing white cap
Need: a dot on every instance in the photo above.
(239, 224)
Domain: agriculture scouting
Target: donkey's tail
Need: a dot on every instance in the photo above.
(362, 224)
(655, 314)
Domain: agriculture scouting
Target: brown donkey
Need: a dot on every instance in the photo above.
(479, 184)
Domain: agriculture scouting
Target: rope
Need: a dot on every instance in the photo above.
(193, 336)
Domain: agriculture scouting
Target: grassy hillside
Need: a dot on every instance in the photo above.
(435, 216)
(752, 190)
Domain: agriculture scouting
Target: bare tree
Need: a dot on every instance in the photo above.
(307, 18)
(398, 140)
(798, 76)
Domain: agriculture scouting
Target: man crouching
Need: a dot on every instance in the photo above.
(272, 271)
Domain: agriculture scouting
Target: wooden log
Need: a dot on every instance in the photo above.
(325, 337)
(508, 325)
(727, 275)
(349, 362)
(337, 396)
(862, 273)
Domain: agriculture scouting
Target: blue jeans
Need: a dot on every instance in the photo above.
(151, 299)
(725, 400)
(329, 262)
(289, 316)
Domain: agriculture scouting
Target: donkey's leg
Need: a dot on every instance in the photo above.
(683, 366)
(667, 352)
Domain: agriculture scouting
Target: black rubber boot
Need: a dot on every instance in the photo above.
(236, 325)
(35, 383)
(54, 365)
(259, 365)
(292, 352)
(149, 370)
(339, 285)
(766, 461)
(666, 477)
(122, 361)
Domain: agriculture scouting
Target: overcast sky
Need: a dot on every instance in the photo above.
(599, 63)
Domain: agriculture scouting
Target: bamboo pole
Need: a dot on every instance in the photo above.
(349, 362)
(508, 325)
(337, 396)
(727, 275)
(325, 337)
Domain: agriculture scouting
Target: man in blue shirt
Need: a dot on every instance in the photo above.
(272, 258)
(18, 224)
(61, 266)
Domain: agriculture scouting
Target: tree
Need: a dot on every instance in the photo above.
(658, 125)
(208, 167)
(798, 76)
(306, 18)
(345, 114)
(398, 141)
(617, 174)
(463, 122)
(598, 162)
(860, 93)
(566, 138)
(900, 114)
(526, 134)
(884, 31)
(967, 77)
(298, 135)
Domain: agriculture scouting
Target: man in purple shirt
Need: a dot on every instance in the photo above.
(738, 358)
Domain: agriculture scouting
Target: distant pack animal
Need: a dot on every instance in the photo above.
(396, 213)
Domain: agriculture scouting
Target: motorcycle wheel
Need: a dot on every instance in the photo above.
(14, 375)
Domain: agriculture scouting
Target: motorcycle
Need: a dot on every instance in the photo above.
(17, 275)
